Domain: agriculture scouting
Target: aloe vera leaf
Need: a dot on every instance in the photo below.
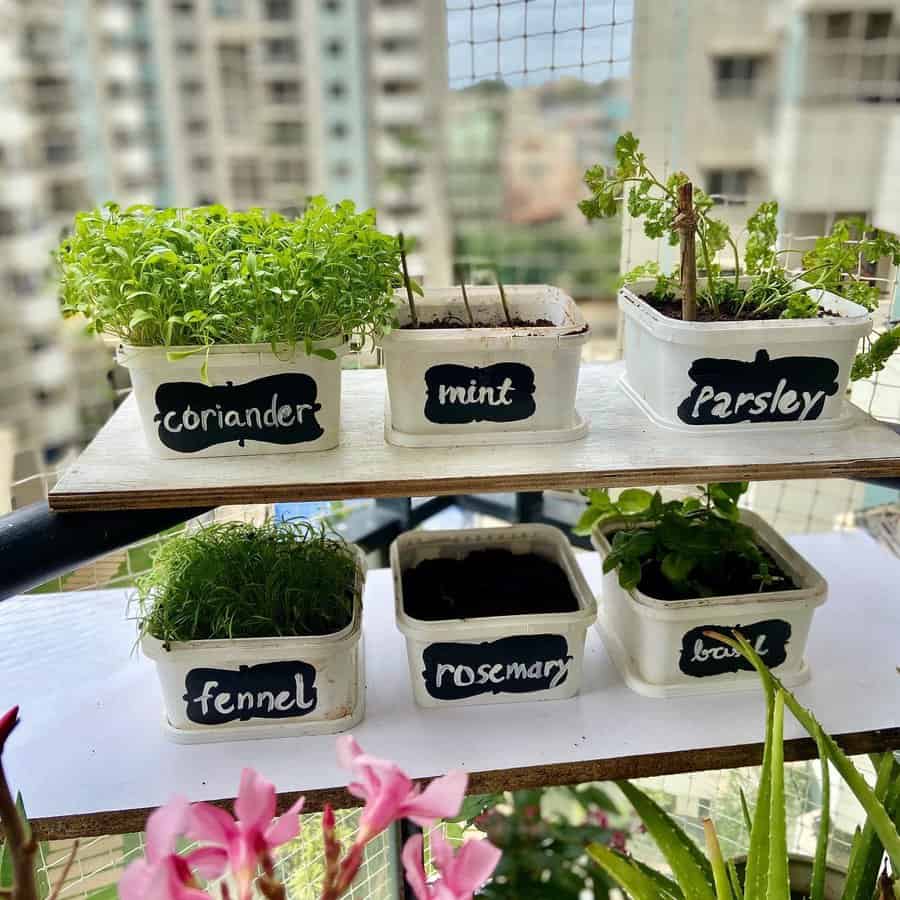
(745, 809)
(638, 882)
(735, 879)
(779, 882)
(691, 869)
(876, 814)
(755, 874)
(820, 861)
(720, 871)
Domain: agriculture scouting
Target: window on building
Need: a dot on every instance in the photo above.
(185, 47)
(246, 183)
(341, 170)
(736, 76)
(339, 130)
(183, 7)
(337, 89)
(61, 148)
(289, 170)
(228, 9)
(283, 91)
(334, 47)
(878, 25)
(278, 10)
(400, 88)
(196, 127)
(201, 163)
(280, 50)
(285, 133)
(838, 24)
(191, 87)
(729, 185)
(399, 44)
(332, 6)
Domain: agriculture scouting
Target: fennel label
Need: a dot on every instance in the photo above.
(276, 409)
(275, 690)
(789, 389)
(702, 656)
(457, 395)
(520, 664)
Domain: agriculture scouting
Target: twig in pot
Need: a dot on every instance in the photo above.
(686, 223)
(503, 298)
(465, 297)
(413, 315)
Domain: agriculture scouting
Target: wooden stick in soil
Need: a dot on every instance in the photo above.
(686, 223)
(413, 315)
(503, 298)
(19, 842)
(465, 297)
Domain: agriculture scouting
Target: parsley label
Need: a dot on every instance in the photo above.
(789, 389)
(513, 665)
(455, 394)
(702, 656)
(277, 409)
(275, 690)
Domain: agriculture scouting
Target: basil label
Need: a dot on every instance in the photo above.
(276, 690)
(789, 389)
(702, 656)
(277, 409)
(457, 394)
(514, 665)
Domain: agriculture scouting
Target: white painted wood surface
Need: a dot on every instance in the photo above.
(91, 736)
(622, 448)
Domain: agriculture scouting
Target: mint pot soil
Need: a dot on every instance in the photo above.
(491, 615)
(233, 324)
(255, 632)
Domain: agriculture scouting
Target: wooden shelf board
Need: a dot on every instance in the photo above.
(622, 448)
(91, 757)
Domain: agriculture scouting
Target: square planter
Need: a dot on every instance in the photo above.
(494, 659)
(225, 690)
(778, 373)
(658, 645)
(255, 402)
(483, 385)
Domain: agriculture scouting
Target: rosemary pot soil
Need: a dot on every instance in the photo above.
(491, 365)
(232, 324)
(491, 615)
(256, 632)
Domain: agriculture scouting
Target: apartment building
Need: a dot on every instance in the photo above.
(795, 101)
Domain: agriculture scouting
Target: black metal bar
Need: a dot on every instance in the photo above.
(405, 830)
(37, 544)
(529, 506)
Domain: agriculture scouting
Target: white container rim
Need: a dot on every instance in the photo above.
(134, 357)
(811, 593)
(255, 648)
(851, 318)
(478, 538)
(575, 330)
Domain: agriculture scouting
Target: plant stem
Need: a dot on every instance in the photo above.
(19, 841)
(503, 298)
(413, 315)
(465, 297)
(686, 223)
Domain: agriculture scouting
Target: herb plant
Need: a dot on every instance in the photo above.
(197, 277)
(680, 549)
(765, 872)
(774, 291)
(235, 580)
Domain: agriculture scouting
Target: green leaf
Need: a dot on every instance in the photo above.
(138, 316)
(585, 525)
(638, 883)
(735, 880)
(324, 353)
(676, 566)
(634, 501)
(778, 885)
(820, 860)
(629, 574)
(415, 287)
(720, 870)
(6, 867)
(691, 869)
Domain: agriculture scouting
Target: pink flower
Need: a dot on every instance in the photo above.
(460, 875)
(391, 795)
(162, 874)
(249, 841)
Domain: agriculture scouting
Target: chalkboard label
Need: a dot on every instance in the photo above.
(277, 409)
(514, 665)
(456, 395)
(790, 389)
(702, 656)
(275, 690)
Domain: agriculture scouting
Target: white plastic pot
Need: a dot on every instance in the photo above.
(779, 373)
(449, 386)
(495, 659)
(254, 402)
(225, 690)
(659, 648)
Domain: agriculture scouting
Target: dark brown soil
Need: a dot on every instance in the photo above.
(486, 583)
(456, 322)
(671, 309)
